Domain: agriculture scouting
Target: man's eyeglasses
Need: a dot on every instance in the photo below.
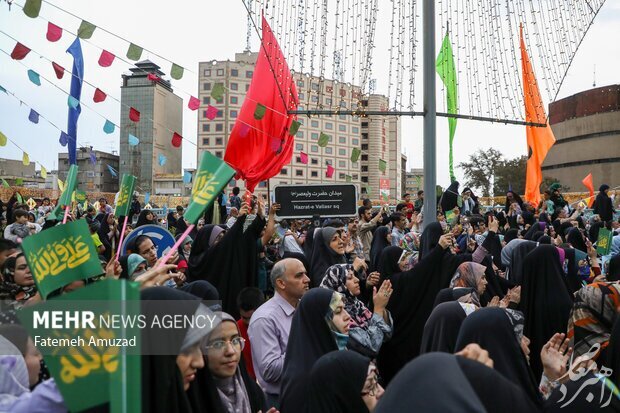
(238, 344)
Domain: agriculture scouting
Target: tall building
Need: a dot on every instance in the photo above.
(414, 181)
(91, 177)
(161, 114)
(587, 132)
(346, 132)
(16, 173)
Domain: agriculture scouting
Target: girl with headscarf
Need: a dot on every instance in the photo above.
(108, 234)
(603, 207)
(512, 258)
(470, 275)
(185, 249)
(442, 327)
(449, 199)
(133, 265)
(343, 382)
(511, 198)
(381, 239)
(146, 217)
(224, 382)
(320, 325)
(17, 282)
(328, 250)
(471, 205)
(367, 330)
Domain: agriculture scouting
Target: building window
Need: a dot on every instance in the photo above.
(301, 96)
(315, 87)
(262, 184)
(219, 127)
(342, 128)
(284, 171)
(315, 99)
(328, 101)
(355, 176)
(219, 141)
(220, 100)
(218, 154)
(328, 150)
(220, 113)
(314, 123)
(247, 87)
(299, 147)
(299, 172)
(342, 164)
(342, 139)
(234, 72)
(234, 100)
(300, 83)
(233, 114)
(355, 141)
(220, 72)
(328, 162)
(298, 159)
(207, 72)
(364, 157)
(364, 168)
(206, 127)
(234, 86)
(364, 136)
(355, 129)
(206, 100)
(205, 141)
(364, 124)
(249, 74)
(342, 152)
(364, 179)
(300, 134)
(340, 175)
(314, 174)
(314, 136)
(314, 161)
(206, 86)
(329, 126)
(314, 148)
(343, 117)
(364, 146)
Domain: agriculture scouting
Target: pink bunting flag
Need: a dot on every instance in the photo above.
(100, 96)
(211, 112)
(153, 77)
(54, 33)
(304, 158)
(176, 140)
(330, 171)
(194, 103)
(60, 71)
(134, 115)
(106, 58)
(19, 51)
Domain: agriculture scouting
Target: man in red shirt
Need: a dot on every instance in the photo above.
(248, 300)
(407, 201)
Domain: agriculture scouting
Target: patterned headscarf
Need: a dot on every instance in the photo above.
(517, 319)
(594, 312)
(336, 279)
(467, 275)
(411, 243)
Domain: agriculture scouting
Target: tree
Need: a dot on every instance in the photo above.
(510, 173)
(480, 168)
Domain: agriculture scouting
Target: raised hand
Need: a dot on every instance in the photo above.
(474, 352)
(555, 355)
(380, 298)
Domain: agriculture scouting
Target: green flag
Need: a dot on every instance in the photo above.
(447, 72)
(19, 198)
(382, 165)
(80, 196)
(217, 91)
(32, 8)
(213, 174)
(67, 193)
(19, 181)
(86, 30)
(176, 72)
(90, 373)
(355, 154)
(123, 202)
(5, 183)
(260, 111)
(134, 52)
(323, 139)
(294, 128)
(61, 255)
(347, 178)
(603, 243)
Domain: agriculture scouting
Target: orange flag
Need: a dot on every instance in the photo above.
(539, 139)
(587, 182)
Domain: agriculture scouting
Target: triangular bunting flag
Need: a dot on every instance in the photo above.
(303, 157)
(3, 139)
(260, 111)
(134, 52)
(108, 127)
(217, 91)
(19, 51)
(187, 177)
(5, 183)
(2, 89)
(294, 128)
(60, 71)
(347, 178)
(54, 33)
(176, 140)
(64, 138)
(34, 77)
(112, 171)
(99, 96)
(355, 154)
(19, 182)
(33, 116)
(43, 172)
(194, 103)
(330, 171)
(134, 115)
(152, 77)
(106, 58)
(72, 102)
(323, 139)
(86, 30)
(162, 159)
(132, 140)
(93, 158)
(211, 112)
(382, 165)
(32, 8)
(176, 72)
(61, 185)
(25, 159)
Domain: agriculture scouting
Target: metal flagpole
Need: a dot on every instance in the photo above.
(430, 114)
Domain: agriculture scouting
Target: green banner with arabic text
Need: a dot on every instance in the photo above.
(123, 202)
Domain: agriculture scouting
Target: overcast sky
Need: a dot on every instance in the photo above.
(192, 31)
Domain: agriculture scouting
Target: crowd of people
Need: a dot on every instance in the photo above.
(507, 309)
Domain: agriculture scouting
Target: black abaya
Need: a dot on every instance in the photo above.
(442, 328)
(575, 239)
(379, 243)
(449, 199)
(603, 206)
(388, 264)
(323, 256)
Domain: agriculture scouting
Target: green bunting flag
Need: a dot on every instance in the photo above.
(323, 139)
(32, 8)
(347, 178)
(382, 165)
(19, 181)
(176, 72)
(90, 366)
(61, 255)
(67, 193)
(86, 30)
(355, 154)
(134, 52)
(5, 183)
(294, 128)
(603, 243)
(123, 202)
(3, 139)
(80, 196)
(217, 91)
(213, 174)
(260, 111)
(19, 196)
(447, 72)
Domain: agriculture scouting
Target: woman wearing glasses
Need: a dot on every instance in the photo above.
(225, 380)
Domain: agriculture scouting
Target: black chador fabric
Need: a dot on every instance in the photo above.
(379, 243)
(575, 239)
(496, 285)
(573, 280)
(511, 234)
(613, 274)
(449, 198)
(309, 339)
(142, 218)
(593, 231)
(388, 264)
(323, 256)
(513, 255)
(308, 245)
(492, 329)
(603, 205)
(442, 328)
(430, 238)
(613, 353)
(531, 232)
(446, 295)
(162, 382)
(336, 382)
(229, 265)
(494, 246)
(545, 300)
(412, 303)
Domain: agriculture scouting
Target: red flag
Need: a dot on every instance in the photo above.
(211, 112)
(303, 157)
(588, 183)
(176, 140)
(194, 103)
(539, 139)
(54, 33)
(251, 143)
(134, 115)
(100, 96)
(60, 71)
(152, 77)
(19, 51)
(330, 171)
(106, 58)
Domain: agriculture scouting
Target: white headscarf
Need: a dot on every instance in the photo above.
(13, 375)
